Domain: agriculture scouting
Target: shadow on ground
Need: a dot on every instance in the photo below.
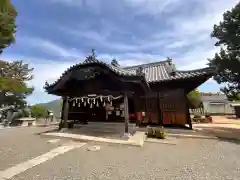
(224, 133)
(104, 130)
(232, 118)
(89, 131)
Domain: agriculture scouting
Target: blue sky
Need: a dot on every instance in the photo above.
(55, 34)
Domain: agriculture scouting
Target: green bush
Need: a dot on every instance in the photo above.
(160, 134)
(156, 133)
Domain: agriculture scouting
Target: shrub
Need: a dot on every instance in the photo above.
(160, 134)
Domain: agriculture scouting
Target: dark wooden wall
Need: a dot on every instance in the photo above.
(173, 107)
(167, 107)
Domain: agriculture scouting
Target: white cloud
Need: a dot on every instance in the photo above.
(50, 47)
(104, 39)
(187, 40)
(93, 4)
(45, 70)
(154, 7)
(195, 58)
(194, 32)
(77, 3)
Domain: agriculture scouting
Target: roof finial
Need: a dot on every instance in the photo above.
(169, 60)
(91, 58)
(115, 62)
(93, 53)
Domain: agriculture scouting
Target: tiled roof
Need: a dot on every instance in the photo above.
(92, 60)
(213, 97)
(152, 72)
(165, 71)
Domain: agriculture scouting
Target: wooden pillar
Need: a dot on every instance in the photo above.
(189, 118)
(187, 112)
(65, 111)
(126, 114)
(159, 110)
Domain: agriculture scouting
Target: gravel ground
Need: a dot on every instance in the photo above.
(20, 144)
(190, 159)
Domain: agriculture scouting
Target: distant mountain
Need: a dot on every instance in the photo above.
(55, 106)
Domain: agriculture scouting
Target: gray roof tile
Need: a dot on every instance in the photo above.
(161, 71)
(154, 72)
(211, 97)
(91, 60)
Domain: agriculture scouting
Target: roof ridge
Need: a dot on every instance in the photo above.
(146, 64)
(194, 70)
(212, 93)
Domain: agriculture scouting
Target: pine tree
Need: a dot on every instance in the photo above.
(227, 61)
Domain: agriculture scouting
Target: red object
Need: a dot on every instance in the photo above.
(153, 116)
(131, 115)
(139, 116)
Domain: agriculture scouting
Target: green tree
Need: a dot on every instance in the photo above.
(38, 111)
(13, 82)
(194, 98)
(8, 16)
(227, 61)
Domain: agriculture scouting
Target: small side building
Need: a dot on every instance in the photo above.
(216, 104)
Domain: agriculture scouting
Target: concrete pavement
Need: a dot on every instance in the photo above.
(46, 159)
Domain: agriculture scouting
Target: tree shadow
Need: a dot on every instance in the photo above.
(48, 131)
(231, 140)
(224, 133)
(232, 118)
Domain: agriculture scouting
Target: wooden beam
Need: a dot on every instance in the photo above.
(126, 115)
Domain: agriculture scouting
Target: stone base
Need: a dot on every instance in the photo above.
(126, 136)
(27, 121)
(94, 148)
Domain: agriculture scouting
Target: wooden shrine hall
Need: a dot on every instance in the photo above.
(154, 93)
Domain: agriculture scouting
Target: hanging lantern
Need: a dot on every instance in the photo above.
(79, 104)
(97, 104)
(85, 103)
(101, 98)
(73, 103)
(91, 105)
(104, 104)
(82, 99)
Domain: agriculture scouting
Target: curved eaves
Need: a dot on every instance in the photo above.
(116, 70)
(178, 75)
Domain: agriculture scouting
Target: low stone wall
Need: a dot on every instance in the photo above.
(26, 121)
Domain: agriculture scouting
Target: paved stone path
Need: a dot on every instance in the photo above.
(189, 159)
